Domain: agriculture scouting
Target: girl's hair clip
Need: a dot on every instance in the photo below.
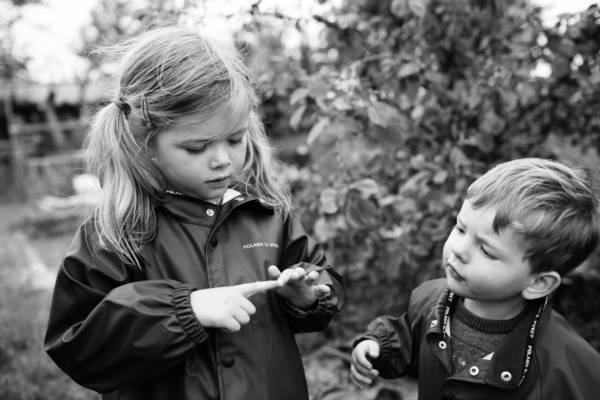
(122, 104)
(145, 113)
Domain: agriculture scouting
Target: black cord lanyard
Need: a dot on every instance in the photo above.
(530, 336)
(447, 309)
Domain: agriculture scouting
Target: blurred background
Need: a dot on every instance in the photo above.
(382, 111)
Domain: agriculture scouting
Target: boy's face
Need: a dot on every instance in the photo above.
(482, 265)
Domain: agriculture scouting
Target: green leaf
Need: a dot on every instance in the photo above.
(561, 67)
(316, 130)
(367, 187)
(298, 94)
(485, 143)
(390, 124)
(491, 123)
(296, 117)
(440, 176)
(408, 70)
(360, 213)
(328, 201)
(418, 7)
(413, 183)
(318, 90)
(458, 158)
(341, 103)
(382, 114)
(399, 8)
(562, 46)
(526, 93)
(509, 98)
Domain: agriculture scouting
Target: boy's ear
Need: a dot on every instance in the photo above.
(541, 284)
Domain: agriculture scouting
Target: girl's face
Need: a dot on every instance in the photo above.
(198, 166)
(485, 267)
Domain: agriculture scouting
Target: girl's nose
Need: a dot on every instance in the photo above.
(219, 157)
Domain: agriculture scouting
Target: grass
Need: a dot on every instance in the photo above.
(26, 372)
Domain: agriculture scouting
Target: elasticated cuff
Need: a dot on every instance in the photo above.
(185, 315)
(385, 346)
(321, 306)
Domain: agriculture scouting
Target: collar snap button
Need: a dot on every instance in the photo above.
(506, 376)
(210, 212)
(228, 361)
(473, 371)
(442, 345)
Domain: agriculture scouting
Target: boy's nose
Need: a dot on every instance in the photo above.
(460, 254)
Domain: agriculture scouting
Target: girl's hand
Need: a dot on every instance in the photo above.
(298, 287)
(361, 370)
(227, 308)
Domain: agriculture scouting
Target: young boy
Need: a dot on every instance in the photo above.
(488, 330)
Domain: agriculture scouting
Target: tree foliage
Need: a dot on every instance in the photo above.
(426, 96)
(403, 104)
(10, 64)
(418, 99)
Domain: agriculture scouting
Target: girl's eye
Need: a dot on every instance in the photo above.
(487, 254)
(235, 142)
(198, 150)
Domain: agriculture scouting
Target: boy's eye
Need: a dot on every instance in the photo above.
(459, 229)
(488, 254)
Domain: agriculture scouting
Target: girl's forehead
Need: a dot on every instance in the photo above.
(222, 124)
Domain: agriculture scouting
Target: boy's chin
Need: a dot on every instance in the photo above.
(455, 286)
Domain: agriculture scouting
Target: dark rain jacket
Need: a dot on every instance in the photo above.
(542, 359)
(131, 333)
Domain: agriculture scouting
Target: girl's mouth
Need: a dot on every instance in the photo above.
(218, 180)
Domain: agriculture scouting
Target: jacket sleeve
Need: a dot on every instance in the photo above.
(106, 330)
(399, 338)
(398, 352)
(299, 250)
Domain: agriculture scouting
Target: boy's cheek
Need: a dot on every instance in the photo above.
(447, 250)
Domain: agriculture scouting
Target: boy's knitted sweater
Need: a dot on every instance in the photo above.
(473, 337)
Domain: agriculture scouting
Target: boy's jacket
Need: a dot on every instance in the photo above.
(131, 333)
(542, 359)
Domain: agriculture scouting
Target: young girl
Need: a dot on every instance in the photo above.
(152, 297)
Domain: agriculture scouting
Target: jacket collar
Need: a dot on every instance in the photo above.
(195, 211)
(515, 354)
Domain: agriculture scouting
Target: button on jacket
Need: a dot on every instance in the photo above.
(131, 333)
(556, 364)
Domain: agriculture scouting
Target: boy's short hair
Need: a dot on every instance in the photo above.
(553, 209)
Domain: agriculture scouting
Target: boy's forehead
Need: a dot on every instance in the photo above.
(483, 216)
(467, 208)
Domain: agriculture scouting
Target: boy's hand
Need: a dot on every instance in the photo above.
(361, 370)
(297, 286)
(227, 308)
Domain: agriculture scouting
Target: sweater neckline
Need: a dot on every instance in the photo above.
(487, 325)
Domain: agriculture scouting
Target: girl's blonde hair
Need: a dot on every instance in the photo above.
(169, 76)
